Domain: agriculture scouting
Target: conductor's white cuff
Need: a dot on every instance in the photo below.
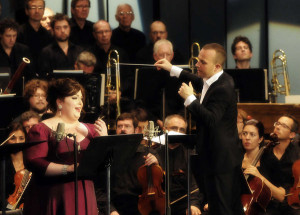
(175, 71)
(189, 100)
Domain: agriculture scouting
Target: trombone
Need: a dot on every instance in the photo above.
(194, 57)
(192, 65)
(280, 73)
(113, 63)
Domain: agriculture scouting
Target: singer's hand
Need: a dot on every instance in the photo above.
(70, 168)
(150, 159)
(100, 127)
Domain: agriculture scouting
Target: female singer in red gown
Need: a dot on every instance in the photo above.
(51, 191)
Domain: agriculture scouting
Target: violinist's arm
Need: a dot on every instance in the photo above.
(277, 192)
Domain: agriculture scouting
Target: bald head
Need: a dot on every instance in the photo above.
(158, 31)
(125, 16)
(102, 32)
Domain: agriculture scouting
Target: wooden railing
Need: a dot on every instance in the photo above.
(269, 113)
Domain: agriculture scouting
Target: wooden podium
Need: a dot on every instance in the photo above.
(268, 113)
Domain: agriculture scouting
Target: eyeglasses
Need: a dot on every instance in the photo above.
(34, 8)
(245, 134)
(282, 125)
(129, 13)
(103, 32)
(177, 129)
(157, 32)
(39, 96)
(82, 7)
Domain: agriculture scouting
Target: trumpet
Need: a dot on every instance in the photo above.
(113, 63)
(194, 57)
(280, 77)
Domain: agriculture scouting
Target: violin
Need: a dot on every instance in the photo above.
(21, 180)
(294, 195)
(151, 177)
(260, 193)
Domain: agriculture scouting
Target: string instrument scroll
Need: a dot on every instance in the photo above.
(151, 177)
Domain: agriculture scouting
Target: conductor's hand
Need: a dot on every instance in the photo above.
(100, 127)
(186, 90)
(163, 64)
(150, 159)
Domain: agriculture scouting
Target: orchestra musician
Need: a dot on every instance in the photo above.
(276, 166)
(126, 187)
(52, 187)
(178, 169)
(216, 117)
(241, 49)
(14, 162)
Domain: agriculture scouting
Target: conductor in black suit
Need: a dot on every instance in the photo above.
(216, 115)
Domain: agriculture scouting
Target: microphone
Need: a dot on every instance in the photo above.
(151, 129)
(60, 131)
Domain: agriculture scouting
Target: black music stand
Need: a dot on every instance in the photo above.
(189, 142)
(112, 150)
(8, 149)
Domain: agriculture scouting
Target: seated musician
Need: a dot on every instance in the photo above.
(14, 163)
(126, 189)
(12, 53)
(276, 162)
(86, 61)
(29, 119)
(178, 169)
(152, 83)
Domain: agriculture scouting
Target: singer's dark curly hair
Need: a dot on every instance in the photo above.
(260, 127)
(62, 88)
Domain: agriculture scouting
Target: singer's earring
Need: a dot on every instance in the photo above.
(59, 108)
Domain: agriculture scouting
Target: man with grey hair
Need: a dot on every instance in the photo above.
(124, 36)
(178, 167)
(152, 84)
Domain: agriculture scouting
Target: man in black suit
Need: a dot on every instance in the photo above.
(215, 114)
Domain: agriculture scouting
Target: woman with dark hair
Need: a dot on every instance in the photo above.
(14, 161)
(52, 187)
(252, 138)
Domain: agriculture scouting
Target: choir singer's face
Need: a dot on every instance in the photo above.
(8, 38)
(242, 52)
(61, 30)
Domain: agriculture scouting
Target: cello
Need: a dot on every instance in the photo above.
(151, 177)
(260, 193)
(293, 198)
